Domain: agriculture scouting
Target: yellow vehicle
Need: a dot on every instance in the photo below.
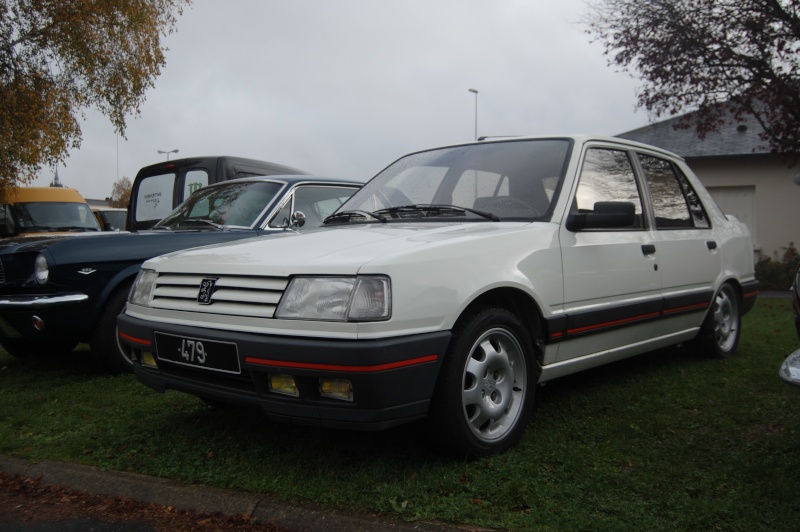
(36, 210)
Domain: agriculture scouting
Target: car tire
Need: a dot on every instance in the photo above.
(721, 330)
(484, 396)
(104, 342)
(23, 348)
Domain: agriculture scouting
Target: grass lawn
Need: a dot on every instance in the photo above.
(664, 441)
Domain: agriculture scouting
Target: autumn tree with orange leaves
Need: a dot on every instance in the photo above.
(61, 57)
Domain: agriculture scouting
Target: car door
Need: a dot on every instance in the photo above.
(687, 253)
(612, 287)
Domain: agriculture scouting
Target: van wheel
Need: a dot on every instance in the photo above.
(484, 395)
(720, 332)
(104, 342)
(23, 348)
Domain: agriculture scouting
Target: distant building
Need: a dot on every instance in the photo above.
(56, 182)
(745, 179)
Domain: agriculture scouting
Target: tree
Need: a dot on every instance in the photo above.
(721, 59)
(121, 192)
(60, 57)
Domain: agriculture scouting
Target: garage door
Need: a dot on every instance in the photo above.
(740, 202)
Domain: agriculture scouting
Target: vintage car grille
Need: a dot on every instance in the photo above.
(234, 295)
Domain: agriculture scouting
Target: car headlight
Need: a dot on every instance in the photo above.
(142, 288)
(362, 298)
(40, 269)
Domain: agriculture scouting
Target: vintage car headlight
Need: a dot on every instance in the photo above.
(143, 287)
(40, 269)
(362, 298)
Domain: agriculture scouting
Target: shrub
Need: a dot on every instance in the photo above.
(777, 273)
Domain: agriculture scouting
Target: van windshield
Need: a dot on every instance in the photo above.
(38, 217)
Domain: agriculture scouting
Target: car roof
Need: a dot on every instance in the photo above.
(577, 138)
(290, 180)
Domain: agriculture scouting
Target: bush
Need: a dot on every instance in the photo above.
(777, 273)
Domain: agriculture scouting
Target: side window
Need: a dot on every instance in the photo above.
(154, 197)
(607, 177)
(316, 202)
(675, 204)
(194, 181)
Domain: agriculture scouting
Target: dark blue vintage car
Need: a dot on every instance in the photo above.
(58, 291)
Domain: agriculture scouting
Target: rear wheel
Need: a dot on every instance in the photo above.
(24, 348)
(484, 395)
(104, 342)
(719, 335)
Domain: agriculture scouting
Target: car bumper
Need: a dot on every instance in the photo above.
(391, 380)
(43, 317)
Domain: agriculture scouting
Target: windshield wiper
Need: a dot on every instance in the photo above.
(71, 228)
(346, 216)
(199, 221)
(435, 210)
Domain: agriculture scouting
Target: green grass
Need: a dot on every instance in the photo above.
(665, 441)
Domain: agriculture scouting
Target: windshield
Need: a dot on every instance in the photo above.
(48, 216)
(511, 180)
(230, 204)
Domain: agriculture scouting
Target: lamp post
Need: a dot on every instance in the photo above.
(162, 152)
(475, 92)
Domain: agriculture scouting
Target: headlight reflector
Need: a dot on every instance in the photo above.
(142, 287)
(40, 269)
(362, 298)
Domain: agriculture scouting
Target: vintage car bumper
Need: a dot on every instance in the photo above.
(391, 380)
(42, 317)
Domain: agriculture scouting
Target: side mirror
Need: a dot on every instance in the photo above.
(298, 219)
(606, 215)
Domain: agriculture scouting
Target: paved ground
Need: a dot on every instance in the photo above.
(119, 494)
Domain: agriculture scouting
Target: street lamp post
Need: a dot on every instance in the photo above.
(475, 92)
(162, 152)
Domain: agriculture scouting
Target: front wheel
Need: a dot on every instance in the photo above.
(484, 395)
(104, 342)
(719, 335)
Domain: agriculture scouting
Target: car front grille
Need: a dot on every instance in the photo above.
(2, 273)
(233, 295)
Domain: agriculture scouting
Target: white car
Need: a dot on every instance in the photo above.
(449, 286)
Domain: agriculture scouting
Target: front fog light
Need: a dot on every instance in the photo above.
(336, 389)
(41, 270)
(283, 384)
(148, 359)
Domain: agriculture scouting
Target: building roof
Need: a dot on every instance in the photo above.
(733, 138)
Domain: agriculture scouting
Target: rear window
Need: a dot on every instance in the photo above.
(154, 197)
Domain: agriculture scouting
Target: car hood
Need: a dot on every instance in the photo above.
(339, 250)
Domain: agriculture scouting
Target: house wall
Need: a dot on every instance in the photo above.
(776, 198)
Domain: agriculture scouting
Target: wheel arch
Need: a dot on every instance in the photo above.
(518, 303)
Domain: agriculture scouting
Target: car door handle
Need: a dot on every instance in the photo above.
(648, 249)
(711, 245)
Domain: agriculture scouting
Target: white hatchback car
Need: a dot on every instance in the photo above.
(449, 286)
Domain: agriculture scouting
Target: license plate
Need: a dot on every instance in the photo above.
(198, 352)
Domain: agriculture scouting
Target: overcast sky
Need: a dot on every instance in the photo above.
(345, 87)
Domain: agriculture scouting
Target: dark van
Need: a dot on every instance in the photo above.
(161, 187)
